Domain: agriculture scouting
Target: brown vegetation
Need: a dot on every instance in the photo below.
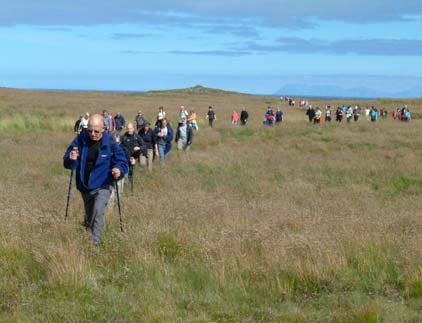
(294, 223)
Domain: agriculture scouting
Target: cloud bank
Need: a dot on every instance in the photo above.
(286, 13)
(380, 47)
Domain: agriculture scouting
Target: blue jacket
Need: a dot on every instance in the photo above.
(119, 122)
(101, 173)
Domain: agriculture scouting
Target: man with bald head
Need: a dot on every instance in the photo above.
(98, 161)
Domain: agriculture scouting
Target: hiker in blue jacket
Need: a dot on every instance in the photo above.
(119, 122)
(98, 161)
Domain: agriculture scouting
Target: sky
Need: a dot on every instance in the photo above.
(315, 47)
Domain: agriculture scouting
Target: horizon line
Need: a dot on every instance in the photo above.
(294, 96)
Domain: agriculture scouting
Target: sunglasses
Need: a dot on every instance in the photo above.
(95, 131)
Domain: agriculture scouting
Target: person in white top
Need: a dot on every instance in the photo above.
(160, 115)
(83, 125)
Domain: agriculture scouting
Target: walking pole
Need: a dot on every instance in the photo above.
(116, 186)
(70, 188)
(131, 178)
(68, 193)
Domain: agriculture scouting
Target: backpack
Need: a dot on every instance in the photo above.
(270, 117)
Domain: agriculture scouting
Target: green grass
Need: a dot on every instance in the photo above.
(291, 223)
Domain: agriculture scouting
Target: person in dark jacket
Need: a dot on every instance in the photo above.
(132, 144)
(339, 115)
(149, 140)
(98, 161)
(119, 122)
(310, 113)
(211, 116)
(243, 117)
(164, 137)
(76, 126)
(184, 135)
(278, 116)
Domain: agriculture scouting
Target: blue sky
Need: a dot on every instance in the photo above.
(250, 46)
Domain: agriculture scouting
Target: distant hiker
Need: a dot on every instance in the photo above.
(349, 114)
(367, 110)
(278, 116)
(406, 115)
(164, 135)
(132, 144)
(384, 113)
(291, 102)
(160, 116)
(211, 116)
(328, 113)
(139, 120)
(83, 125)
(184, 135)
(98, 160)
(244, 117)
(149, 139)
(310, 113)
(234, 118)
(113, 125)
(76, 126)
(356, 113)
(401, 112)
(318, 116)
(192, 120)
(108, 125)
(339, 115)
(269, 117)
(373, 114)
(119, 122)
(183, 114)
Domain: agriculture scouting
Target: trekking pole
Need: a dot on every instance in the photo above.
(116, 186)
(131, 178)
(68, 194)
(70, 188)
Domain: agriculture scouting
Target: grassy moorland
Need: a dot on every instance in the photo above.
(296, 223)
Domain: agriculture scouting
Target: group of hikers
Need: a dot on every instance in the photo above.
(353, 113)
(244, 115)
(102, 155)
